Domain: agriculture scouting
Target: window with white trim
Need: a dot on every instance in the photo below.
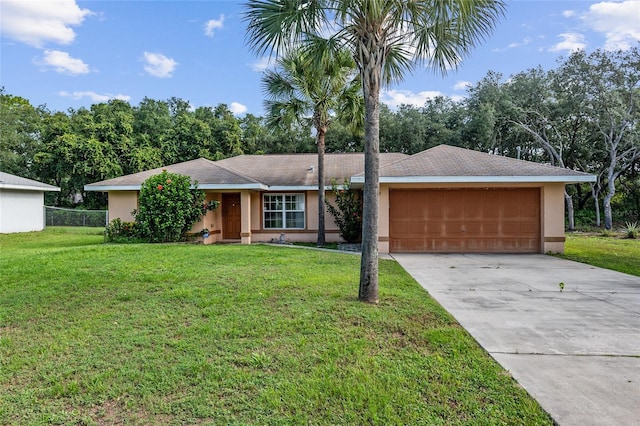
(283, 211)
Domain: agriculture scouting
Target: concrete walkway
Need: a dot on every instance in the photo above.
(576, 351)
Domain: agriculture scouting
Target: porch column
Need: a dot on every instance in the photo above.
(245, 220)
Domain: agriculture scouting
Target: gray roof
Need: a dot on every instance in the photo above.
(254, 171)
(299, 171)
(9, 181)
(445, 163)
(209, 175)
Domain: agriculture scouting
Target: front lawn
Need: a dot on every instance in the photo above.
(93, 333)
(610, 252)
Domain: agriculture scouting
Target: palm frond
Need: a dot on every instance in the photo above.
(273, 26)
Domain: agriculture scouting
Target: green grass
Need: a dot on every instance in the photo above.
(609, 252)
(94, 333)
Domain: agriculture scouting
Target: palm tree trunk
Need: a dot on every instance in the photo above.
(321, 230)
(368, 290)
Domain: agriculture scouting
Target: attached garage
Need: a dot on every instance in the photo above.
(488, 220)
(453, 200)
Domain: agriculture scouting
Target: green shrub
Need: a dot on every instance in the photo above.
(118, 231)
(631, 230)
(168, 207)
(348, 211)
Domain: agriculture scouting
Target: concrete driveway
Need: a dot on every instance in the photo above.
(576, 351)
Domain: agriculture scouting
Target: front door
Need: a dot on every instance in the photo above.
(231, 216)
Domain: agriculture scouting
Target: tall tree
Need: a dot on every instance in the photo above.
(546, 109)
(387, 39)
(300, 91)
(611, 81)
(151, 125)
(227, 132)
(20, 128)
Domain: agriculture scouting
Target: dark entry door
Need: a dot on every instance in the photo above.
(231, 216)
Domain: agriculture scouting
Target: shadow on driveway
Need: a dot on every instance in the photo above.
(576, 351)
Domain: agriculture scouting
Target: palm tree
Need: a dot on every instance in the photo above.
(387, 39)
(312, 93)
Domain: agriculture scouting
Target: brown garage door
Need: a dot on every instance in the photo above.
(494, 220)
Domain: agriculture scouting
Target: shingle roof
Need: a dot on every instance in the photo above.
(448, 163)
(301, 169)
(281, 171)
(205, 172)
(9, 181)
(254, 171)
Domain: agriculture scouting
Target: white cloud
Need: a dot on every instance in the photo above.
(263, 63)
(213, 24)
(159, 65)
(395, 98)
(95, 97)
(237, 108)
(38, 22)
(524, 42)
(570, 43)
(63, 63)
(618, 21)
(568, 13)
(462, 85)
(513, 45)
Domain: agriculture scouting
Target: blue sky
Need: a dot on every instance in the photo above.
(73, 53)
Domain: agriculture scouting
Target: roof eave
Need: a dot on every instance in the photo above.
(479, 179)
(221, 186)
(204, 187)
(293, 188)
(29, 187)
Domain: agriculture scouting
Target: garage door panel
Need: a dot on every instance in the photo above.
(529, 213)
(465, 220)
(510, 210)
(490, 210)
(472, 229)
(473, 211)
(454, 212)
(424, 229)
(510, 229)
(436, 212)
(529, 228)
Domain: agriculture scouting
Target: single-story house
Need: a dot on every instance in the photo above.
(22, 203)
(444, 199)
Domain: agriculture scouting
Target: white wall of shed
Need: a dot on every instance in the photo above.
(21, 211)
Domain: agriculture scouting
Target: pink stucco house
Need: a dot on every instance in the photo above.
(444, 199)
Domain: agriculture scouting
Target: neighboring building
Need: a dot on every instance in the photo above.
(444, 199)
(22, 203)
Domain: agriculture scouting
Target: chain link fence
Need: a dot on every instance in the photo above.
(57, 216)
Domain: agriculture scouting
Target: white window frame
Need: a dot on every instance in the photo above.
(284, 210)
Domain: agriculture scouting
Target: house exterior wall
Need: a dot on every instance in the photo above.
(312, 211)
(121, 204)
(212, 220)
(256, 212)
(245, 219)
(21, 211)
(553, 218)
